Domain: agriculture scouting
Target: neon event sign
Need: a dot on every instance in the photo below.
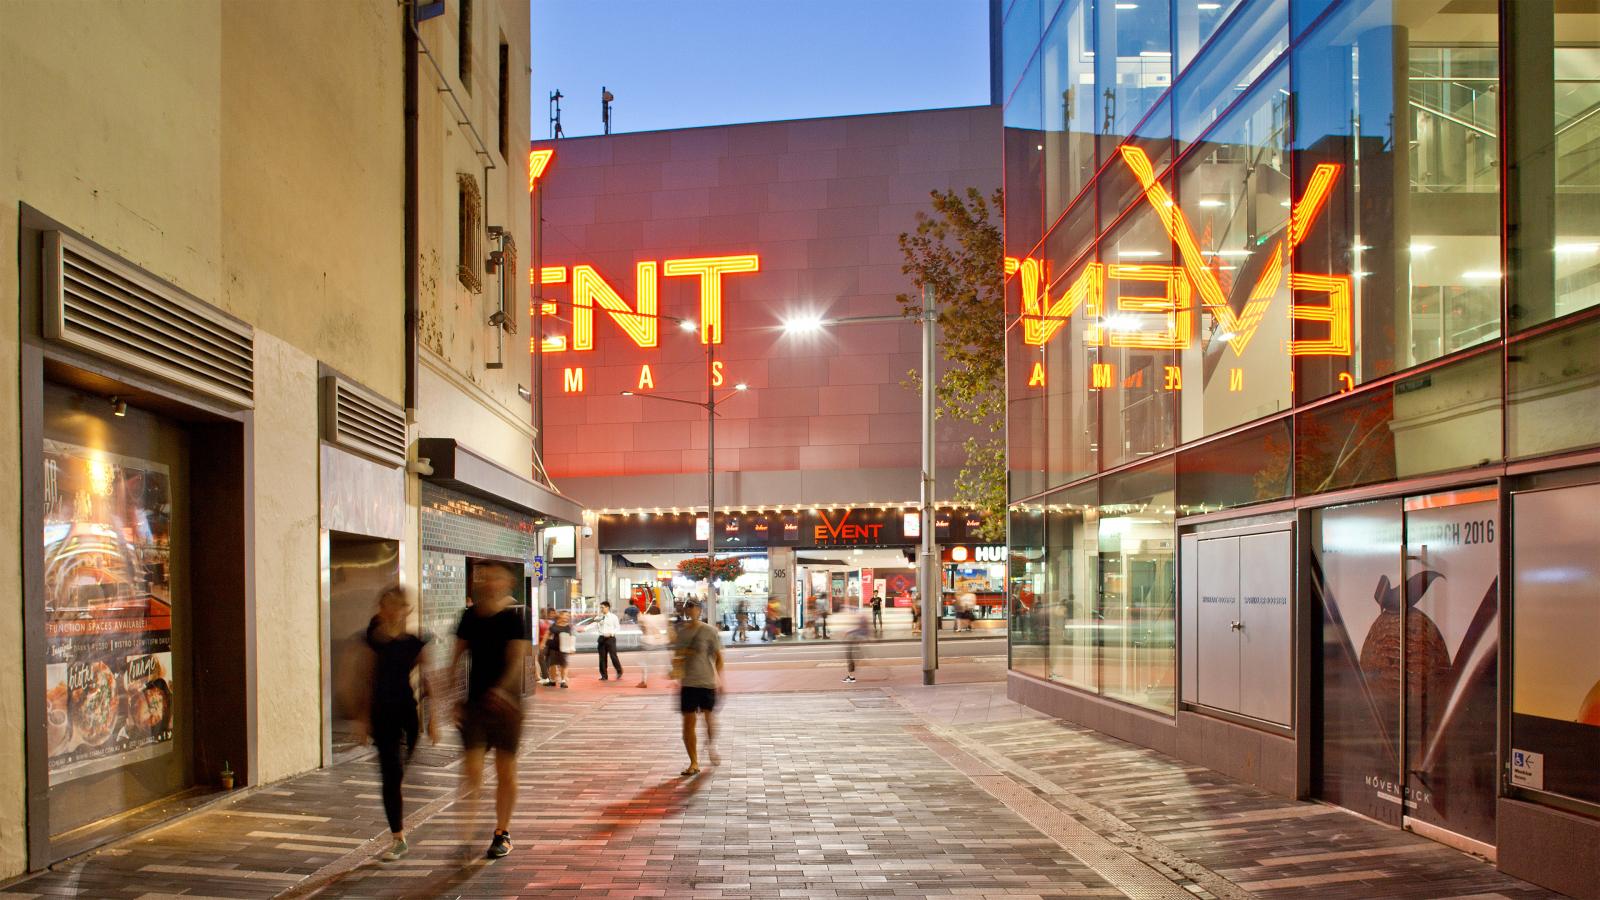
(641, 322)
(1043, 316)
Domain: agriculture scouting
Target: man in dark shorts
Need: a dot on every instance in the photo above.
(697, 665)
(493, 633)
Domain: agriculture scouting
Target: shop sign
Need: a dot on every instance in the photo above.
(989, 553)
(108, 607)
(852, 527)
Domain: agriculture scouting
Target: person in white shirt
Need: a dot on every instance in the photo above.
(654, 636)
(606, 623)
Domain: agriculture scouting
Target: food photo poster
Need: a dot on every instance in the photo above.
(108, 609)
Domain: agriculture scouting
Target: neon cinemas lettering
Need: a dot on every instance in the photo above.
(641, 322)
(1043, 316)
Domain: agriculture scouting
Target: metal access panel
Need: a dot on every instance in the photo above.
(1266, 633)
(1189, 597)
(1218, 623)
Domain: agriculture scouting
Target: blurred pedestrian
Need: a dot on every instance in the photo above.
(916, 615)
(741, 618)
(697, 667)
(554, 647)
(877, 614)
(855, 631)
(769, 630)
(391, 721)
(494, 635)
(654, 636)
(542, 657)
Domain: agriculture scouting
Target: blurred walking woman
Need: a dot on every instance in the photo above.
(556, 649)
(393, 722)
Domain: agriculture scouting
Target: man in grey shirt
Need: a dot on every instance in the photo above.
(697, 665)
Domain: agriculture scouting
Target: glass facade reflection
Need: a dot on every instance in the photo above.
(1260, 250)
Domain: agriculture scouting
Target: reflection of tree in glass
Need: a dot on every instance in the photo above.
(1346, 444)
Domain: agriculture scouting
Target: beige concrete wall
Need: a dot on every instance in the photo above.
(288, 578)
(459, 396)
(252, 154)
(313, 156)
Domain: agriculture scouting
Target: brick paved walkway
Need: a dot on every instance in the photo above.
(883, 789)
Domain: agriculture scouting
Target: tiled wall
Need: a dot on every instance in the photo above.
(823, 202)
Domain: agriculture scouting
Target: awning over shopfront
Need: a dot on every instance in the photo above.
(461, 469)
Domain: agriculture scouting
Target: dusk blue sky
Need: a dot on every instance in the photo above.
(684, 63)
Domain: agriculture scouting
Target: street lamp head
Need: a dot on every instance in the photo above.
(803, 325)
(687, 325)
(741, 386)
(627, 393)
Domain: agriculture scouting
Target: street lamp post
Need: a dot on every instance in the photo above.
(710, 406)
(928, 565)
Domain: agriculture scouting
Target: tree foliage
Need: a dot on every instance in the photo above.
(958, 250)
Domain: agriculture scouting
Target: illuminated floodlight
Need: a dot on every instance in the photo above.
(1139, 254)
(803, 325)
(627, 393)
(1208, 7)
(687, 325)
(1122, 323)
(1211, 203)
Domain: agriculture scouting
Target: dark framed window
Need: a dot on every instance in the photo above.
(464, 44)
(470, 221)
(505, 101)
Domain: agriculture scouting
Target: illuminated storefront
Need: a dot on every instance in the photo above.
(1304, 331)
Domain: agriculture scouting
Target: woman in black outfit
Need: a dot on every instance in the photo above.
(394, 726)
(557, 666)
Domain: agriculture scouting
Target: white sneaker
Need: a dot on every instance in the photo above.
(849, 679)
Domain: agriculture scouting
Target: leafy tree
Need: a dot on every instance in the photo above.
(958, 250)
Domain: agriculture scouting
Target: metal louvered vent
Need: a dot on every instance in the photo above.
(362, 422)
(98, 302)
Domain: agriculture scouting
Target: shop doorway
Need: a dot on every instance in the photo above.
(118, 670)
(1407, 671)
(358, 570)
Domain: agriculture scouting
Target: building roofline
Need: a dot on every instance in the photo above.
(545, 142)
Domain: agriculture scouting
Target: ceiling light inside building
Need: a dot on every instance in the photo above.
(1484, 275)
(1420, 249)
(1577, 249)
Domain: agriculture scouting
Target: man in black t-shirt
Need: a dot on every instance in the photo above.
(493, 632)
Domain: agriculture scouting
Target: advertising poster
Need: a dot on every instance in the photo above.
(1555, 684)
(108, 609)
(1452, 651)
(1423, 640)
(1356, 577)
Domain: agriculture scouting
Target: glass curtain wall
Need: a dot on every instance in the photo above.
(1220, 216)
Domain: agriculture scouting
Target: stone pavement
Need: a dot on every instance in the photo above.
(883, 789)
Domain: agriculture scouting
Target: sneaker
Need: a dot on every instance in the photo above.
(563, 684)
(849, 679)
(500, 846)
(396, 850)
(604, 678)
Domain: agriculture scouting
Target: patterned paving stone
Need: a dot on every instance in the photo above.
(880, 789)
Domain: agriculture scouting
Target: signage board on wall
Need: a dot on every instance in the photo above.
(821, 528)
(109, 691)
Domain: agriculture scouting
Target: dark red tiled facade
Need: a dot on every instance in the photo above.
(823, 203)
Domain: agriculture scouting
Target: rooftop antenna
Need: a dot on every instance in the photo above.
(605, 107)
(555, 115)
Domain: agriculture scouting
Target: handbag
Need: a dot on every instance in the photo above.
(566, 642)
